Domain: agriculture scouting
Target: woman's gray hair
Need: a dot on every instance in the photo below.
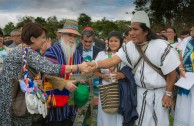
(15, 30)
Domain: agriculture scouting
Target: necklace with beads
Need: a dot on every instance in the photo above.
(1, 49)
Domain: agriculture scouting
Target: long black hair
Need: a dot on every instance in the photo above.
(118, 35)
(151, 35)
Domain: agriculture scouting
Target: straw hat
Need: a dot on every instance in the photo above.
(70, 26)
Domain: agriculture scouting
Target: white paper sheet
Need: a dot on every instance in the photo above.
(186, 82)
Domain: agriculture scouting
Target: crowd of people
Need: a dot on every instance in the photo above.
(144, 66)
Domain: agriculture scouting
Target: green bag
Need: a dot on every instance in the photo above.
(81, 95)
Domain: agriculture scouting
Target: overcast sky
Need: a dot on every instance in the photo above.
(12, 10)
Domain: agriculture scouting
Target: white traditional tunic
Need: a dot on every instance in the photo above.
(150, 84)
(103, 118)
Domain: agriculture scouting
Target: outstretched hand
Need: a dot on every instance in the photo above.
(84, 68)
(87, 67)
(92, 65)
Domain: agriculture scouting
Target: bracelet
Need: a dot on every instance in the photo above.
(71, 69)
(181, 69)
(168, 93)
(96, 64)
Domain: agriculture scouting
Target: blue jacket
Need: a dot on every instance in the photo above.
(128, 97)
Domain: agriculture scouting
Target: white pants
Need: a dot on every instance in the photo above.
(184, 111)
(149, 108)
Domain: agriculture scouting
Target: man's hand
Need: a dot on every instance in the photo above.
(85, 67)
(92, 65)
(167, 102)
(70, 86)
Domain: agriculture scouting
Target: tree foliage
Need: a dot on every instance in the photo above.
(122, 25)
(83, 21)
(8, 28)
(40, 20)
(52, 26)
(164, 13)
(102, 27)
(24, 20)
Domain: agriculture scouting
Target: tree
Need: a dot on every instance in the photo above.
(61, 23)
(24, 20)
(122, 25)
(83, 21)
(8, 28)
(52, 26)
(40, 20)
(164, 13)
(103, 27)
(1, 32)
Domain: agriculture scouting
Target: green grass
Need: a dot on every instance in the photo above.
(171, 120)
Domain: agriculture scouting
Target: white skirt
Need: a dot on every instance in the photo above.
(184, 111)
(107, 119)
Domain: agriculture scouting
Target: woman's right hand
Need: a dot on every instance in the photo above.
(182, 73)
(70, 86)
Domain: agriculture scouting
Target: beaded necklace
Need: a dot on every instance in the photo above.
(1, 49)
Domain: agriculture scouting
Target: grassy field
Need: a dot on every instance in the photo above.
(171, 120)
